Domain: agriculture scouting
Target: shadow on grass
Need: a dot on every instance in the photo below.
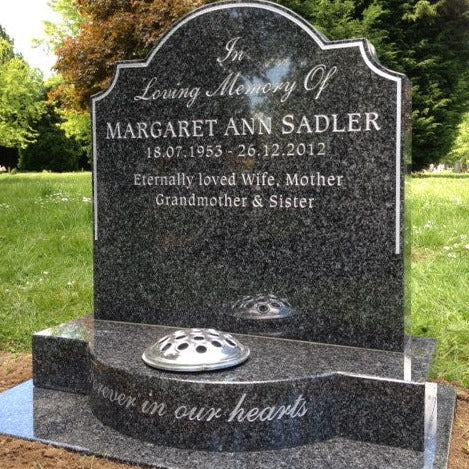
(440, 176)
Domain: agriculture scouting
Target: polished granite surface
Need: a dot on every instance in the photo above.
(65, 420)
(336, 121)
(336, 266)
(122, 344)
(288, 393)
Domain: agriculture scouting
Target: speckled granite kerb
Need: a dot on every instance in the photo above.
(61, 356)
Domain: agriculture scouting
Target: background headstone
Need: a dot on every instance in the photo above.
(246, 157)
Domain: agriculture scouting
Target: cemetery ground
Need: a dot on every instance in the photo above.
(46, 279)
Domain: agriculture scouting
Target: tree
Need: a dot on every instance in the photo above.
(27, 121)
(460, 151)
(437, 66)
(52, 150)
(75, 122)
(112, 31)
(428, 41)
(69, 26)
(20, 99)
(59, 146)
(6, 37)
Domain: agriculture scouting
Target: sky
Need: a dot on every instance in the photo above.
(22, 20)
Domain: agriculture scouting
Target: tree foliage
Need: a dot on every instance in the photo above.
(425, 39)
(75, 122)
(112, 31)
(62, 143)
(69, 25)
(460, 150)
(4, 35)
(21, 91)
(53, 150)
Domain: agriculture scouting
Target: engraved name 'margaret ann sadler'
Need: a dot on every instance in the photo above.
(289, 124)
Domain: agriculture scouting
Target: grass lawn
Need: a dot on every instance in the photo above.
(440, 270)
(46, 250)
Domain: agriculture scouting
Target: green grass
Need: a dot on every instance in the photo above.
(45, 253)
(440, 270)
(45, 267)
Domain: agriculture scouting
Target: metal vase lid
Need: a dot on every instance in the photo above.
(190, 350)
(262, 307)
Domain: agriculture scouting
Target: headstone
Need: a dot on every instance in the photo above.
(457, 168)
(248, 177)
(242, 170)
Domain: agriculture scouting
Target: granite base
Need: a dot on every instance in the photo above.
(65, 420)
(289, 393)
(291, 400)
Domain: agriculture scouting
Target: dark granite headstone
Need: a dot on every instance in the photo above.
(247, 177)
(250, 165)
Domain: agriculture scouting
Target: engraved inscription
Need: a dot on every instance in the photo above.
(240, 412)
(311, 135)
